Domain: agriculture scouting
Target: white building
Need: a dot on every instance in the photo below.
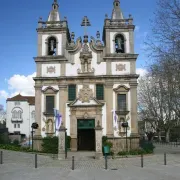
(86, 79)
(20, 115)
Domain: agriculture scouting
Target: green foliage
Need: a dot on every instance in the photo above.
(147, 146)
(16, 142)
(50, 145)
(14, 148)
(4, 139)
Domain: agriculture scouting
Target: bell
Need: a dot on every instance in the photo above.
(51, 52)
(118, 48)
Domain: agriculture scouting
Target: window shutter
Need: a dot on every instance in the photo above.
(71, 92)
(49, 104)
(99, 92)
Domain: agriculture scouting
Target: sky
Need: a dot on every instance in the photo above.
(18, 34)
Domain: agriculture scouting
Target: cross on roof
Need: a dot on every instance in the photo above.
(85, 23)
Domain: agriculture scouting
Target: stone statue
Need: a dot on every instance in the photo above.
(50, 127)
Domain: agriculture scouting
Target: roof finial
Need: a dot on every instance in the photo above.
(117, 13)
(54, 14)
(55, 5)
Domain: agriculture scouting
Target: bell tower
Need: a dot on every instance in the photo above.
(118, 34)
(118, 38)
(53, 34)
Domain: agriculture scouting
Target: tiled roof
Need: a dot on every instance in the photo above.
(29, 99)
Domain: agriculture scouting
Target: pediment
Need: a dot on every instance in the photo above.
(92, 102)
(50, 90)
(121, 88)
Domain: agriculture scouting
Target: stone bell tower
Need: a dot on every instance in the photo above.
(118, 37)
(53, 35)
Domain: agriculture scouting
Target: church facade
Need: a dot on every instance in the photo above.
(91, 82)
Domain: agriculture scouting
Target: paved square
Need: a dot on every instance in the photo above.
(20, 166)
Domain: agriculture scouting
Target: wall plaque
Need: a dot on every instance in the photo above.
(51, 69)
(120, 67)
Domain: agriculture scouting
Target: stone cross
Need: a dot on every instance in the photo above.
(85, 23)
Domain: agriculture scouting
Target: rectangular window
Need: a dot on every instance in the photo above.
(18, 125)
(121, 102)
(14, 125)
(49, 104)
(100, 92)
(71, 92)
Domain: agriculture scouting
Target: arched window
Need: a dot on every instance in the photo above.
(120, 44)
(52, 46)
(17, 114)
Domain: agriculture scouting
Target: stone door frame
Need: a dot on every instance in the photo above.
(83, 112)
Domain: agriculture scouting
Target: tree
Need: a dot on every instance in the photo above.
(158, 103)
(165, 36)
(159, 91)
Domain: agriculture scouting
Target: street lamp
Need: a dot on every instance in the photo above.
(125, 125)
(34, 126)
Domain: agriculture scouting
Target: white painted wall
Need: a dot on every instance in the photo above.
(112, 38)
(45, 72)
(124, 71)
(44, 38)
(25, 126)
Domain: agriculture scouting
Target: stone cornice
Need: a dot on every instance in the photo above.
(117, 57)
(50, 59)
(63, 86)
(133, 84)
(127, 76)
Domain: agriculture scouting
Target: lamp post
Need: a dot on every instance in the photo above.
(125, 125)
(33, 126)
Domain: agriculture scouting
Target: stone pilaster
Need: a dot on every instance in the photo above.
(98, 133)
(131, 41)
(108, 68)
(109, 107)
(108, 43)
(37, 137)
(73, 131)
(38, 69)
(134, 123)
(63, 69)
(63, 46)
(63, 95)
(38, 110)
(61, 145)
(39, 44)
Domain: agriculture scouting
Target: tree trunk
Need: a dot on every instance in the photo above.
(159, 136)
(167, 135)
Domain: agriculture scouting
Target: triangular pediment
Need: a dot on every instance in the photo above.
(91, 102)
